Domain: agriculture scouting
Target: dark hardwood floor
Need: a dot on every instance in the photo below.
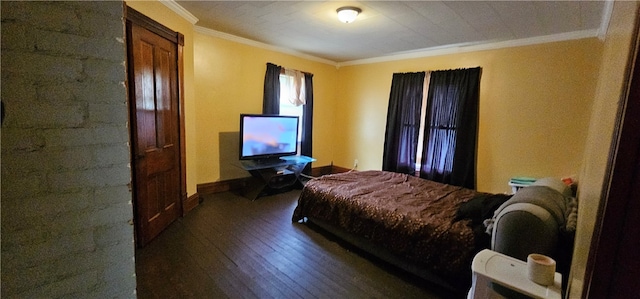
(232, 247)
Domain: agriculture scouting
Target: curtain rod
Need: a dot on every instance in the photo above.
(282, 68)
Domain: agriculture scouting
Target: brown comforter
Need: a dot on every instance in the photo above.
(411, 217)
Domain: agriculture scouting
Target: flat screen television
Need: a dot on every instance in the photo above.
(268, 137)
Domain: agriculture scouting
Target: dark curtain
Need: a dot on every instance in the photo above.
(307, 120)
(451, 127)
(271, 95)
(403, 122)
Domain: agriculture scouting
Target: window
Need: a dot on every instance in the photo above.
(445, 108)
(423, 111)
(287, 107)
(451, 126)
(295, 100)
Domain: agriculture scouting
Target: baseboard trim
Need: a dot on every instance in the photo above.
(190, 203)
(222, 186)
(237, 184)
(320, 171)
(338, 169)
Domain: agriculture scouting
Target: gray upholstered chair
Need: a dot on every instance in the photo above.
(534, 220)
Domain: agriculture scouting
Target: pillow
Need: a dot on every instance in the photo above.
(555, 184)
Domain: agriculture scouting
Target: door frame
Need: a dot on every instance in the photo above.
(133, 16)
(618, 205)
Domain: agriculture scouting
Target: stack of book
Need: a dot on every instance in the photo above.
(521, 181)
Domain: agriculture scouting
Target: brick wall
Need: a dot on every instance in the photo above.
(65, 203)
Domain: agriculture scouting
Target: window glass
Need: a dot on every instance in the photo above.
(286, 107)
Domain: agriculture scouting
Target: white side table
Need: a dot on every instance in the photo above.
(492, 267)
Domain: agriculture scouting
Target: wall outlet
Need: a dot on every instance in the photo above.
(355, 163)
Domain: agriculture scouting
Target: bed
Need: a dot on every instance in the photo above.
(408, 221)
(430, 229)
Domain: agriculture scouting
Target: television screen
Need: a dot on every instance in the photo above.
(268, 136)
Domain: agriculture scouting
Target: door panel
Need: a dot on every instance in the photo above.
(155, 128)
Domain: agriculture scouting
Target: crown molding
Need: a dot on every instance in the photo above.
(177, 8)
(426, 52)
(606, 18)
(473, 47)
(260, 45)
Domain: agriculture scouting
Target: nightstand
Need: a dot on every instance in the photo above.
(490, 268)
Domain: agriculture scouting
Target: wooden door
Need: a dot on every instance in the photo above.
(155, 125)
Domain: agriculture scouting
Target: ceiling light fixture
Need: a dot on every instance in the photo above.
(348, 14)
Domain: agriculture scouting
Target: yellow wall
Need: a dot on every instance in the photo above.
(545, 110)
(610, 88)
(222, 80)
(229, 80)
(535, 103)
(534, 110)
(165, 16)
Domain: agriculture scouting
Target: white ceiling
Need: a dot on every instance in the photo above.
(393, 27)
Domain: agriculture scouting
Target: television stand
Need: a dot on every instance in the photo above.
(273, 176)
